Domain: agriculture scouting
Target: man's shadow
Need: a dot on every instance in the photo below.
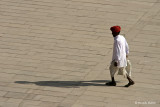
(66, 84)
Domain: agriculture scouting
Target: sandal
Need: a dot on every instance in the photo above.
(130, 83)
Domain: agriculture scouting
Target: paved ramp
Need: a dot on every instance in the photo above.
(56, 53)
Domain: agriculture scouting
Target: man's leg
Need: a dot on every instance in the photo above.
(113, 70)
(131, 82)
(112, 83)
(128, 69)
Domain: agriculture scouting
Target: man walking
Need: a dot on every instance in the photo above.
(119, 59)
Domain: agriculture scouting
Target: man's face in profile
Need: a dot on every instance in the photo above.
(115, 34)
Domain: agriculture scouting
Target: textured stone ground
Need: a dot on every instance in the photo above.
(56, 53)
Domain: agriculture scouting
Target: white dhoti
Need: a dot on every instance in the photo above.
(121, 70)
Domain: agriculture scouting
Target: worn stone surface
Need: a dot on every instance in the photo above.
(56, 53)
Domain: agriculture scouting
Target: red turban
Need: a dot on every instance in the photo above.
(115, 29)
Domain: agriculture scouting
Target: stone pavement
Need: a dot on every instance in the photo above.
(56, 53)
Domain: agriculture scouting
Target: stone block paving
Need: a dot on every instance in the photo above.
(56, 53)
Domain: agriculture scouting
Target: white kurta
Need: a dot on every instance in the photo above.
(120, 50)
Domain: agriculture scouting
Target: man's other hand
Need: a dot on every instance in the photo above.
(126, 56)
(115, 64)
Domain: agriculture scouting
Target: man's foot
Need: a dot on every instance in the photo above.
(130, 83)
(111, 84)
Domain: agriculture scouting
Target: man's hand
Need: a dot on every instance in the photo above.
(126, 56)
(115, 64)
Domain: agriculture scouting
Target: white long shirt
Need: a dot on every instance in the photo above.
(120, 50)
